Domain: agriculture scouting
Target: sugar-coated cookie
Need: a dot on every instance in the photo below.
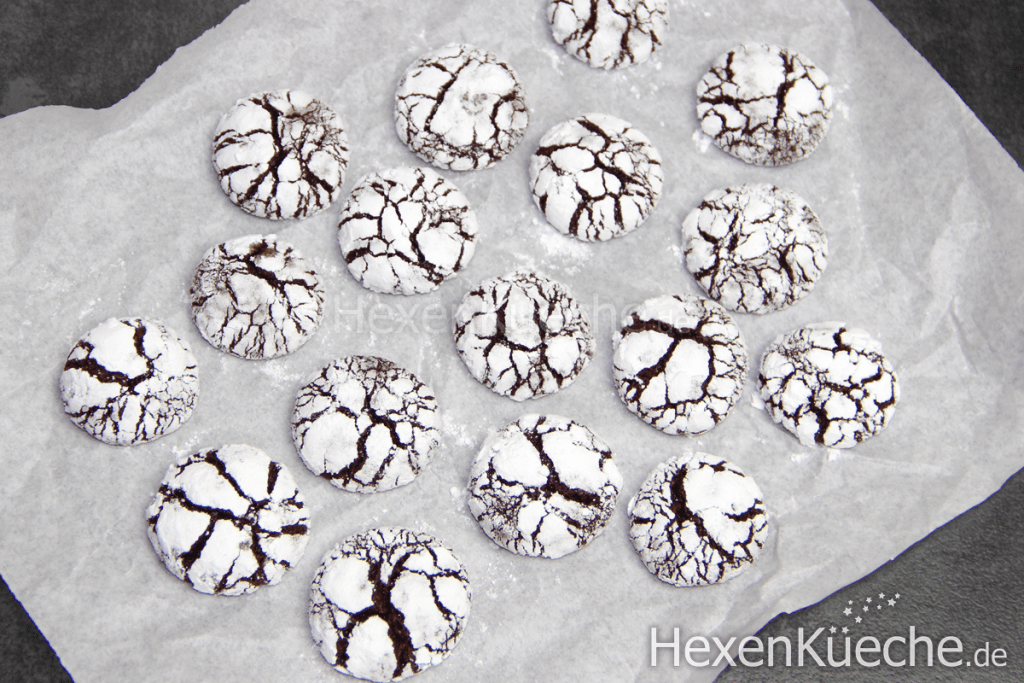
(609, 34)
(544, 486)
(679, 363)
(596, 177)
(764, 104)
(755, 248)
(228, 520)
(523, 335)
(256, 297)
(460, 108)
(829, 385)
(406, 230)
(697, 520)
(281, 154)
(388, 603)
(365, 424)
(128, 381)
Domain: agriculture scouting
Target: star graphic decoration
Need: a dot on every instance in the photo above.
(832, 629)
(858, 620)
(892, 603)
(847, 611)
(846, 629)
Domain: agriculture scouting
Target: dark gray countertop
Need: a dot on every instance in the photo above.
(963, 580)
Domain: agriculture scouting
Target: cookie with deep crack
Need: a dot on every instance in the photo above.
(281, 154)
(609, 34)
(523, 335)
(365, 424)
(765, 104)
(697, 520)
(596, 177)
(544, 486)
(460, 108)
(388, 603)
(406, 230)
(755, 248)
(256, 297)
(829, 385)
(679, 363)
(228, 520)
(128, 381)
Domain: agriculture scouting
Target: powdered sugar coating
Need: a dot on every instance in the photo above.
(406, 230)
(228, 520)
(523, 335)
(460, 108)
(128, 381)
(365, 424)
(697, 520)
(829, 385)
(609, 34)
(544, 486)
(755, 248)
(281, 154)
(388, 603)
(256, 297)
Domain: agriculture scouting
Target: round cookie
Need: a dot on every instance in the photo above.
(754, 248)
(406, 230)
(388, 603)
(679, 363)
(365, 424)
(829, 385)
(595, 177)
(764, 104)
(609, 34)
(697, 520)
(523, 335)
(460, 108)
(256, 297)
(544, 486)
(128, 381)
(228, 520)
(281, 154)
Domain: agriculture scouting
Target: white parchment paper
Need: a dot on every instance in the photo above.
(107, 213)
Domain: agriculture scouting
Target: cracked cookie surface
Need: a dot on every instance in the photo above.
(406, 230)
(228, 520)
(697, 520)
(460, 108)
(829, 385)
(388, 603)
(755, 248)
(595, 177)
(523, 335)
(764, 104)
(679, 363)
(256, 297)
(609, 34)
(365, 424)
(281, 154)
(128, 381)
(544, 486)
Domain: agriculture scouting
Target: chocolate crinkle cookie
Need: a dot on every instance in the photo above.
(128, 381)
(596, 177)
(544, 486)
(523, 335)
(406, 230)
(460, 108)
(281, 154)
(679, 363)
(829, 385)
(764, 104)
(609, 34)
(755, 248)
(388, 603)
(365, 424)
(697, 520)
(256, 297)
(228, 520)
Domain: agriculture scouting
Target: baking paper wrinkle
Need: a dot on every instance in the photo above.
(107, 213)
